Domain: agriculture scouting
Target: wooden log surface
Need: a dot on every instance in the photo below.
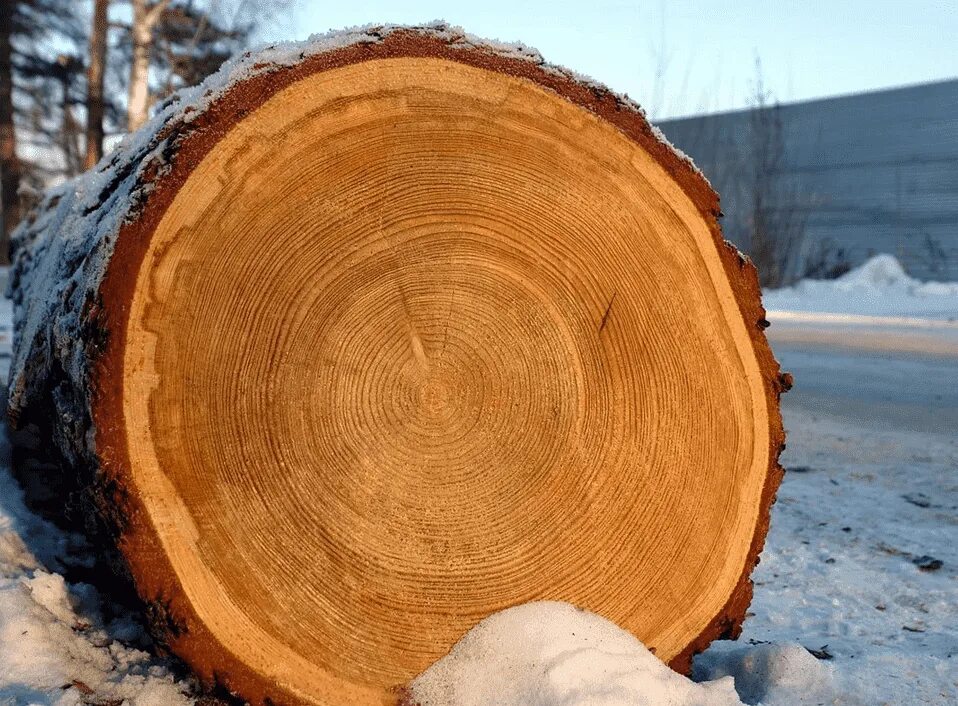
(369, 337)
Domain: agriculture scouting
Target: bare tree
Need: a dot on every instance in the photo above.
(9, 162)
(776, 221)
(178, 43)
(66, 68)
(146, 16)
(661, 57)
(61, 72)
(826, 259)
(194, 39)
(96, 73)
(40, 66)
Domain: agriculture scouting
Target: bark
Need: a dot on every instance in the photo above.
(96, 72)
(9, 163)
(77, 259)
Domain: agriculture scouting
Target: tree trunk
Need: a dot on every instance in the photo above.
(380, 334)
(9, 162)
(145, 17)
(96, 71)
(66, 67)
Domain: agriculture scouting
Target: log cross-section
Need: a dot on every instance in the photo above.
(367, 339)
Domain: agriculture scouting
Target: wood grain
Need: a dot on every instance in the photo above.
(412, 332)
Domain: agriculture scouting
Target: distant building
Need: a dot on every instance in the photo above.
(866, 174)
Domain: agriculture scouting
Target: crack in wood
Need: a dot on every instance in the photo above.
(605, 316)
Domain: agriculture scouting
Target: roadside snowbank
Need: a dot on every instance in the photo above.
(879, 287)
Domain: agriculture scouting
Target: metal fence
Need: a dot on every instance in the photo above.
(863, 174)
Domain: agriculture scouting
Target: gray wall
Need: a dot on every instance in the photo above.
(870, 173)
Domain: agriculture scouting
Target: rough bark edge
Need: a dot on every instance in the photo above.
(106, 271)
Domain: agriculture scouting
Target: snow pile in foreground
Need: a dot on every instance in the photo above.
(546, 653)
(879, 287)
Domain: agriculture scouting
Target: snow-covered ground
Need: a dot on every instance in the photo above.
(856, 597)
(862, 558)
(862, 554)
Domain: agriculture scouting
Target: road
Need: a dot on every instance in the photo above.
(884, 377)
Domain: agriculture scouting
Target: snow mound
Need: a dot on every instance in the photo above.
(551, 654)
(879, 287)
(880, 271)
(770, 674)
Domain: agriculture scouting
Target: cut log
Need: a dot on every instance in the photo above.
(368, 338)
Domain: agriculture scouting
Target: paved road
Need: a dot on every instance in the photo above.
(882, 377)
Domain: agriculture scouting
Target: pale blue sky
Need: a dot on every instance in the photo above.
(706, 47)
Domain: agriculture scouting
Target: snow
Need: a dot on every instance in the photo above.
(50, 653)
(878, 288)
(839, 570)
(772, 674)
(548, 653)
